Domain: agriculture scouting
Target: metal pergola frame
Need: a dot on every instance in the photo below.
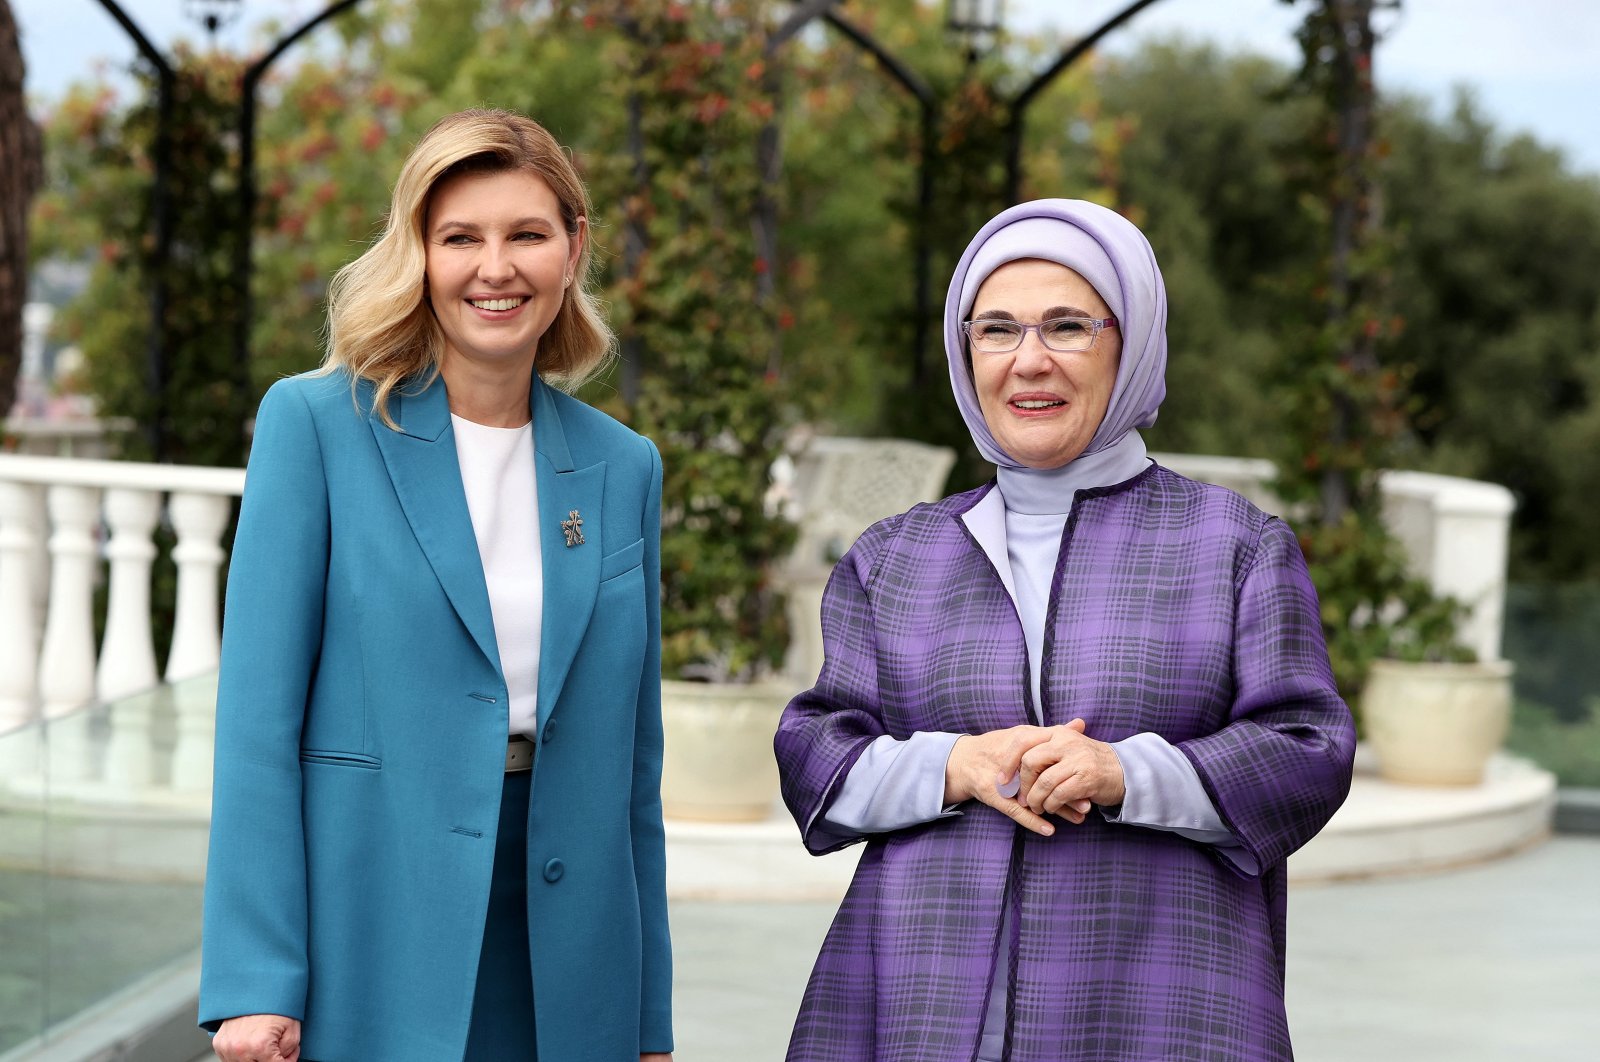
(804, 13)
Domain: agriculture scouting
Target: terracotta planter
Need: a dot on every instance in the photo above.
(718, 763)
(1436, 724)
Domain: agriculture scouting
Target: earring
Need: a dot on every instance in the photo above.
(567, 280)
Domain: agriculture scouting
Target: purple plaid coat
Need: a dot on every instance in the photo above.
(1177, 608)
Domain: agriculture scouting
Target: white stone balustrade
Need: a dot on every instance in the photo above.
(1456, 532)
(67, 523)
(97, 521)
(22, 523)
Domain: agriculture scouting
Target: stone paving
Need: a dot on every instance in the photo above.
(1481, 964)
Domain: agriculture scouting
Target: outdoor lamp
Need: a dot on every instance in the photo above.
(213, 14)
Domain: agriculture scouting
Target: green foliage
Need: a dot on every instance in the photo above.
(1499, 286)
(98, 203)
(1371, 606)
(1342, 384)
(711, 398)
(1490, 294)
(1206, 142)
(844, 264)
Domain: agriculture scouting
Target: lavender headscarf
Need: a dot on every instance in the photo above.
(1111, 254)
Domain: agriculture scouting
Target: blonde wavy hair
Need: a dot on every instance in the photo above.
(380, 325)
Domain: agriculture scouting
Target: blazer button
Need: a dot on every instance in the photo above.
(553, 871)
(549, 732)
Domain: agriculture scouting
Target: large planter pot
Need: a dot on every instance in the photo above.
(1436, 724)
(718, 763)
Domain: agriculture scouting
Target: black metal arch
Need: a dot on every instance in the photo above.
(1063, 62)
(155, 363)
(803, 14)
(244, 237)
(161, 199)
(928, 104)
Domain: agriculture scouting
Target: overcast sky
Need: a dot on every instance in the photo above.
(1534, 65)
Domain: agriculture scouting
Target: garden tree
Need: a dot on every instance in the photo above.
(692, 79)
(1494, 289)
(1499, 284)
(97, 202)
(19, 180)
(1345, 404)
(1205, 143)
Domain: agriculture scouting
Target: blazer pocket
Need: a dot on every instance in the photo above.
(341, 759)
(622, 561)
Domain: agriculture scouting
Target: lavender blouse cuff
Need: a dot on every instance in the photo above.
(1164, 793)
(896, 783)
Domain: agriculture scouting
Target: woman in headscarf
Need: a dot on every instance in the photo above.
(1081, 715)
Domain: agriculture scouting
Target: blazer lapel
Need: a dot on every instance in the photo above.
(422, 463)
(571, 561)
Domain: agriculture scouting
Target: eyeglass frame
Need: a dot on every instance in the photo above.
(1096, 326)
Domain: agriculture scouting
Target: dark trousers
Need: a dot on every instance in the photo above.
(502, 1004)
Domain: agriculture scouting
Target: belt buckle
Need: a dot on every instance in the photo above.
(519, 754)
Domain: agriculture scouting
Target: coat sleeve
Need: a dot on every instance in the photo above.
(826, 729)
(1281, 766)
(254, 935)
(649, 840)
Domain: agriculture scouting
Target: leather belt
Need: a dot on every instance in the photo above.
(519, 754)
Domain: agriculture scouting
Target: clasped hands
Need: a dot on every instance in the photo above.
(1062, 772)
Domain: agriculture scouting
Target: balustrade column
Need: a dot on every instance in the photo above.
(66, 662)
(21, 531)
(127, 656)
(199, 520)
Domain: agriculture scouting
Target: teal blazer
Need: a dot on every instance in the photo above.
(361, 733)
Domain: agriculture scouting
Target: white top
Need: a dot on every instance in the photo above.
(503, 501)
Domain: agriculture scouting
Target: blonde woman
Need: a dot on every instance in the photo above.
(437, 824)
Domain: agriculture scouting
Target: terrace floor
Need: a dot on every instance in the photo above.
(1478, 964)
(1484, 963)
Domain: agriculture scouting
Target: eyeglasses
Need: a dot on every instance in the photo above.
(992, 335)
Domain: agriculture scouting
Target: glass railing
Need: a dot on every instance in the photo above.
(24, 945)
(1551, 631)
(104, 815)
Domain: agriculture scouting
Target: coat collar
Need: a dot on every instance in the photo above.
(986, 519)
(426, 473)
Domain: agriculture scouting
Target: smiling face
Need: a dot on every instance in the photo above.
(498, 259)
(1043, 406)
